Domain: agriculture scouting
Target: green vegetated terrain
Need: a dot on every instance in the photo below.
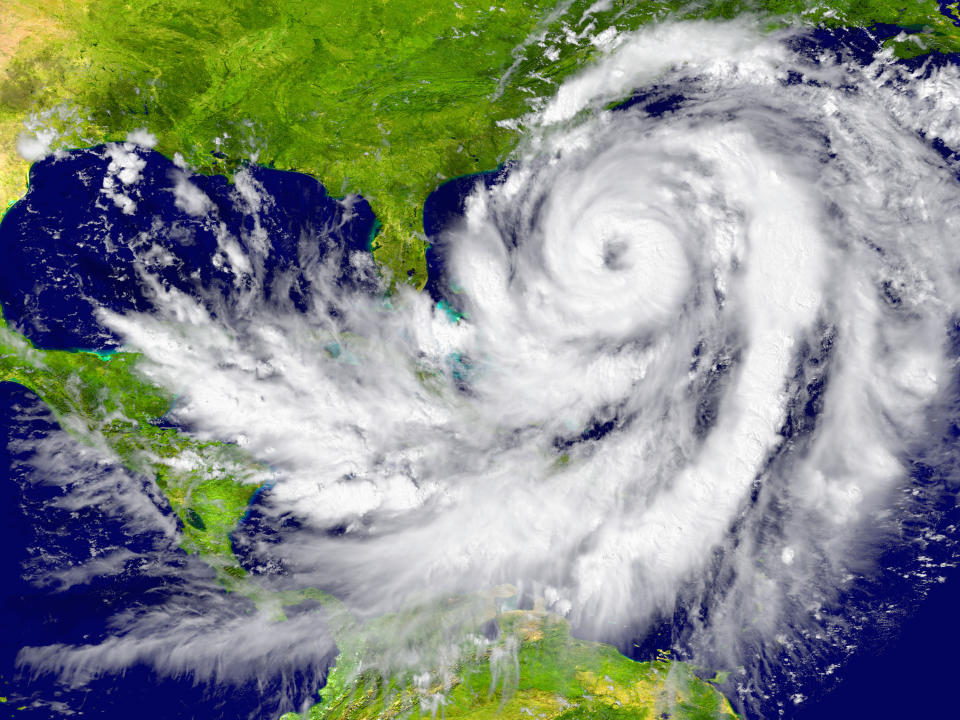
(383, 98)
(532, 669)
(102, 400)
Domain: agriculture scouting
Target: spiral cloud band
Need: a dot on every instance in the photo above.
(699, 351)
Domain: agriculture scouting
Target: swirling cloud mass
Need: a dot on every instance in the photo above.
(696, 356)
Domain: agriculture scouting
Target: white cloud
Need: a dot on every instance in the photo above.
(142, 137)
(189, 198)
(125, 164)
(34, 146)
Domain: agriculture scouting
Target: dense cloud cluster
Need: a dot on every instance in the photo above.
(697, 354)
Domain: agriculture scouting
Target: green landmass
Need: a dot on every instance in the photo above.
(533, 669)
(386, 99)
(103, 400)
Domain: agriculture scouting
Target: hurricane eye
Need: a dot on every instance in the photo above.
(615, 254)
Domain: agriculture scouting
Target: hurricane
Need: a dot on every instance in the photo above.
(684, 369)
